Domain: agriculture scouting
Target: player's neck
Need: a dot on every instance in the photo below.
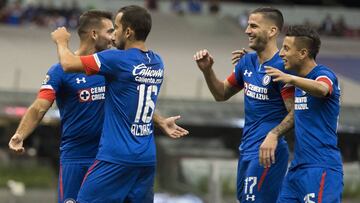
(269, 52)
(85, 49)
(136, 44)
(307, 67)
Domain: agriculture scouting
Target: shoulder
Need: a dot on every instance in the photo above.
(110, 53)
(156, 56)
(323, 70)
(56, 69)
(246, 60)
(251, 56)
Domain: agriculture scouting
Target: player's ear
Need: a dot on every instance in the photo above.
(304, 53)
(129, 33)
(273, 31)
(93, 35)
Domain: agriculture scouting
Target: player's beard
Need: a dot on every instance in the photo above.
(102, 45)
(121, 43)
(259, 43)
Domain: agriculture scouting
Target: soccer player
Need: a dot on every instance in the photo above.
(124, 169)
(315, 173)
(80, 99)
(268, 108)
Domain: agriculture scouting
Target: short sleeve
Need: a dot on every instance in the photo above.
(235, 78)
(103, 63)
(328, 78)
(287, 91)
(52, 83)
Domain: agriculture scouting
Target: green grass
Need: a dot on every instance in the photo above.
(32, 176)
(352, 191)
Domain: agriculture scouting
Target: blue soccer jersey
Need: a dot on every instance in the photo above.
(263, 100)
(133, 79)
(316, 124)
(80, 100)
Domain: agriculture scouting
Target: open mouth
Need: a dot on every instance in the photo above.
(285, 61)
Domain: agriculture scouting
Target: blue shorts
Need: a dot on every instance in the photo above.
(71, 176)
(113, 183)
(258, 184)
(312, 185)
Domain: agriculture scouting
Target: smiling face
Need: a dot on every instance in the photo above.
(258, 30)
(105, 35)
(291, 54)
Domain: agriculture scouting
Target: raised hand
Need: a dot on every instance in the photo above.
(60, 35)
(204, 60)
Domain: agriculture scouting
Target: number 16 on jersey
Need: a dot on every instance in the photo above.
(145, 104)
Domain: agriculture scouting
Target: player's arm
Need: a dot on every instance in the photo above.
(221, 90)
(321, 87)
(68, 60)
(169, 126)
(28, 123)
(268, 147)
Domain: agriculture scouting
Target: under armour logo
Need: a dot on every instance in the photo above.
(308, 198)
(250, 197)
(247, 73)
(147, 55)
(78, 80)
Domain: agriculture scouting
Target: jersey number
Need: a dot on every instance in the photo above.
(149, 103)
(250, 183)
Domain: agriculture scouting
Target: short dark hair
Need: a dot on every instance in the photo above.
(138, 19)
(272, 14)
(92, 19)
(305, 36)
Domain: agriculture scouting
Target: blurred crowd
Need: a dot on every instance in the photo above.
(15, 13)
(194, 6)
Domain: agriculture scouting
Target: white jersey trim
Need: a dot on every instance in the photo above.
(97, 60)
(46, 87)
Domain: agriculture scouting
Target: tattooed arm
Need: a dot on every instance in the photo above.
(268, 147)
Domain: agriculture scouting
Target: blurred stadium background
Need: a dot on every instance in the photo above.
(202, 166)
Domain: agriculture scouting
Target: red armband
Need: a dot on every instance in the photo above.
(91, 64)
(287, 92)
(233, 82)
(48, 94)
(326, 80)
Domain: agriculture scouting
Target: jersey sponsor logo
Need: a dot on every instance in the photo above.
(301, 103)
(256, 92)
(46, 80)
(266, 80)
(144, 74)
(92, 94)
(80, 80)
(247, 73)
